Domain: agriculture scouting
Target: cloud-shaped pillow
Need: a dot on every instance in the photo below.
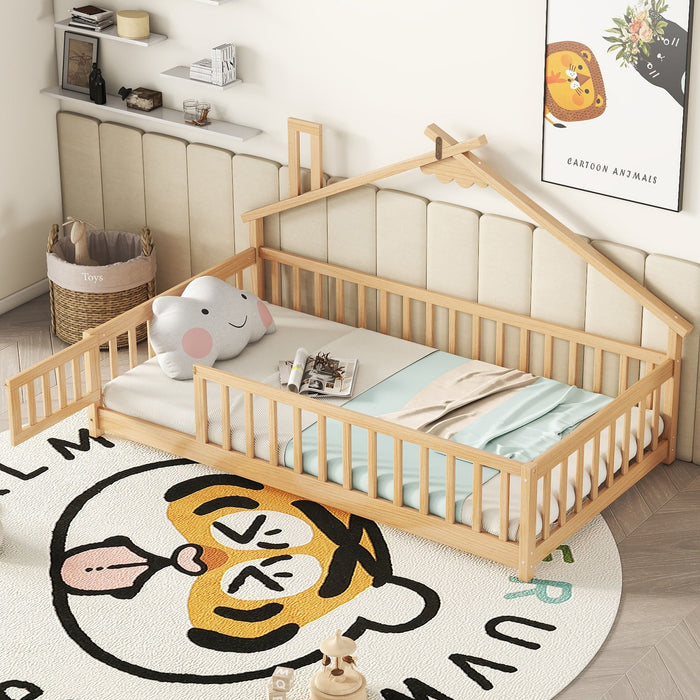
(210, 321)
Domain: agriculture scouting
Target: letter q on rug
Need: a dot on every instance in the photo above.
(130, 573)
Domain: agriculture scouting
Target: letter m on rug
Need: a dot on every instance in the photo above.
(64, 447)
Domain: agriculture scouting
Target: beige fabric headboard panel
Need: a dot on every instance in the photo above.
(121, 155)
(193, 197)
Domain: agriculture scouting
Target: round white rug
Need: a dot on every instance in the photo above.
(130, 573)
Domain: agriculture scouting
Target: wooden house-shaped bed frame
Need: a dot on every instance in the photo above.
(299, 282)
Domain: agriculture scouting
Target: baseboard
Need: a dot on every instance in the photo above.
(24, 295)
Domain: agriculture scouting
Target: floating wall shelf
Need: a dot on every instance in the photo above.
(111, 33)
(162, 114)
(183, 73)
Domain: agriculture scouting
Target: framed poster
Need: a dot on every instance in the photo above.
(615, 98)
(79, 53)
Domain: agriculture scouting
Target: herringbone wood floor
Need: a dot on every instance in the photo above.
(653, 650)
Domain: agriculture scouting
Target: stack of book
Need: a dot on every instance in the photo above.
(201, 70)
(223, 64)
(91, 17)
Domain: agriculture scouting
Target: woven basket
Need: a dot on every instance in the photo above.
(74, 310)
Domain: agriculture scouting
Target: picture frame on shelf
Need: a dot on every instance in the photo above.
(79, 53)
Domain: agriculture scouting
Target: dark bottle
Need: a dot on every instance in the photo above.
(100, 89)
(91, 81)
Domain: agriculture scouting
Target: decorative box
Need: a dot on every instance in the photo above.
(144, 99)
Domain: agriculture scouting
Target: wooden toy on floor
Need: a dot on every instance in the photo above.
(281, 683)
(339, 677)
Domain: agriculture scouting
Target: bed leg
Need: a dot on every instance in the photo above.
(528, 522)
(93, 422)
(672, 395)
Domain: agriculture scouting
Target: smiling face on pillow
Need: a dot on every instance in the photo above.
(210, 321)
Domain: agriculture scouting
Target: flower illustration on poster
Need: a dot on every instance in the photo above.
(615, 78)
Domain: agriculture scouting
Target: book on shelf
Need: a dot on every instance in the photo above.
(223, 64)
(201, 70)
(94, 26)
(92, 13)
(318, 375)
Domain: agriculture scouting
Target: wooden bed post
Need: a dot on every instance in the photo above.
(294, 128)
(93, 383)
(257, 241)
(528, 522)
(672, 394)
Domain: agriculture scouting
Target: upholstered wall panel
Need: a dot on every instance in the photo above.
(558, 296)
(79, 159)
(613, 313)
(401, 251)
(505, 271)
(453, 266)
(304, 231)
(256, 182)
(167, 210)
(352, 242)
(677, 282)
(121, 153)
(211, 210)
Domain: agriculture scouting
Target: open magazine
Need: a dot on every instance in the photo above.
(318, 375)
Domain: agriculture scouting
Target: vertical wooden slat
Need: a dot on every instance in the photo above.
(477, 477)
(573, 363)
(276, 283)
(340, 301)
(548, 354)
(77, 383)
(528, 522)
(500, 342)
(597, 370)
(361, 306)
(201, 409)
(524, 354)
(133, 348)
(321, 448)
(563, 485)
(272, 431)
(579, 480)
(347, 455)
(398, 472)
(424, 481)
(31, 400)
(296, 288)
(450, 488)
(383, 311)
(225, 416)
(476, 337)
(249, 425)
(611, 454)
(113, 359)
(641, 425)
(406, 318)
(256, 239)
(672, 394)
(595, 466)
(371, 463)
(61, 384)
(318, 295)
(46, 395)
(296, 431)
(239, 280)
(623, 381)
(626, 441)
(452, 331)
(656, 407)
(504, 507)
(151, 351)
(429, 324)
(546, 503)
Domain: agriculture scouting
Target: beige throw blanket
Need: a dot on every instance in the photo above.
(455, 399)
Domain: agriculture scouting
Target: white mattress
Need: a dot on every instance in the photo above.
(146, 393)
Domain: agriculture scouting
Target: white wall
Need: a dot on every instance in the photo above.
(375, 74)
(30, 198)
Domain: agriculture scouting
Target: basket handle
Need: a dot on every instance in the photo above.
(53, 237)
(146, 241)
